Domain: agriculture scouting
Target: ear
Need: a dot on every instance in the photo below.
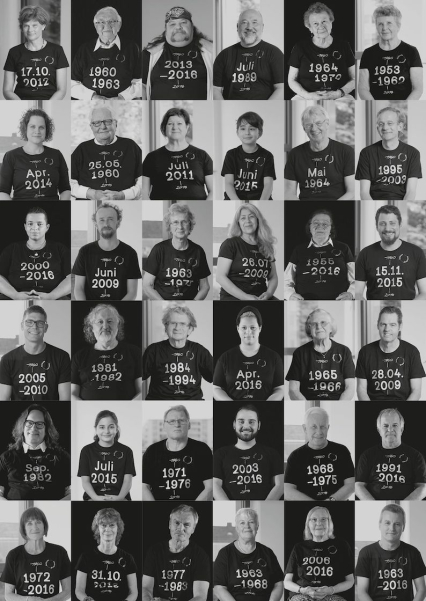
(47, 227)
(258, 427)
(234, 424)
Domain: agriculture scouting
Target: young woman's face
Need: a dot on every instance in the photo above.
(106, 430)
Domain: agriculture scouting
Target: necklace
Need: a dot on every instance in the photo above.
(42, 46)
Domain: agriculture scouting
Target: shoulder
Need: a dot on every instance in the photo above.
(13, 154)
(411, 450)
(196, 150)
(127, 142)
(156, 346)
(337, 346)
(370, 249)
(265, 152)
(264, 549)
(15, 554)
(230, 354)
(408, 347)
(89, 247)
(305, 349)
(206, 45)
(301, 148)
(268, 352)
(195, 346)
(54, 350)
(122, 447)
(296, 454)
(223, 451)
(58, 549)
(54, 47)
(12, 355)
(371, 50)
(340, 146)
(197, 444)
(266, 450)
(372, 149)
(128, 348)
(194, 246)
(409, 548)
(229, 49)
(84, 146)
(369, 550)
(408, 148)
(87, 46)
(408, 47)
(337, 447)
(156, 447)
(123, 246)
(155, 153)
(10, 455)
(270, 47)
(371, 347)
(53, 152)
(155, 49)
(88, 447)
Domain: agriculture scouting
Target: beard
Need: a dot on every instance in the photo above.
(107, 232)
(246, 435)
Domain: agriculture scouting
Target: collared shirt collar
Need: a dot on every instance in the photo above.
(312, 243)
(99, 144)
(99, 44)
(41, 446)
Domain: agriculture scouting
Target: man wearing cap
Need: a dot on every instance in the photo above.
(251, 69)
(108, 67)
(178, 64)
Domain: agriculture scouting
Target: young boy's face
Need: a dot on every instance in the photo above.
(247, 133)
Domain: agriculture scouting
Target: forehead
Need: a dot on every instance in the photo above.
(36, 217)
(244, 123)
(385, 19)
(246, 414)
(320, 315)
(178, 21)
(390, 418)
(319, 513)
(248, 322)
(175, 119)
(387, 217)
(180, 317)
(107, 522)
(318, 17)
(36, 416)
(106, 13)
(107, 212)
(182, 516)
(321, 216)
(105, 314)
(387, 116)
(246, 212)
(101, 113)
(391, 516)
(35, 316)
(106, 421)
(317, 419)
(314, 115)
(36, 120)
(388, 318)
(176, 414)
(244, 517)
(32, 22)
(250, 15)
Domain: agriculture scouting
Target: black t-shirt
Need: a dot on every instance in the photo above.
(106, 271)
(177, 475)
(108, 71)
(319, 473)
(253, 377)
(178, 74)
(321, 271)
(249, 169)
(388, 375)
(107, 573)
(106, 467)
(178, 175)
(248, 73)
(388, 170)
(247, 473)
(39, 176)
(175, 573)
(321, 375)
(391, 473)
(41, 270)
(321, 564)
(176, 372)
(249, 270)
(389, 70)
(320, 175)
(247, 575)
(113, 166)
(107, 375)
(390, 573)
(322, 69)
(35, 71)
(390, 274)
(35, 377)
(37, 575)
(35, 474)
(177, 272)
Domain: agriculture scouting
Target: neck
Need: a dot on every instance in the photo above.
(389, 546)
(249, 351)
(177, 343)
(176, 445)
(317, 447)
(322, 242)
(105, 141)
(249, 238)
(322, 346)
(34, 547)
(320, 539)
(108, 42)
(389, 347)
(180, 243)
(35, 44)
(102, 443)
(392, 246)
(34, 348)
(177, 546)
(250, 148)
(175, 145)
(36, 245)
(246, 546)
(320, 145)
(244, 45)
(390, 446)
(390, 144)
(109, 243)
(31, 148)
(106, 346)
(389, 44)
(245, 444)
(107, 548)
(323, 42)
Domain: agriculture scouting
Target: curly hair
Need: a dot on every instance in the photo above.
(161, 39)
(33, 13)
(316, 8)
(90, 318)
(32, 513)
(388, 10)
(101, 415)
(105, 516)
(320, 212)
(183, 210)
(108, 205)
(182, 309)
(51, 436)
(308, 322)
(25, 119)
(307, 535)
(174, 112)
(252, 119)
(264, 237)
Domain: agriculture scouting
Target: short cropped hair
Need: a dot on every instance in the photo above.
(308, 323)
(314, 410)
(390, 410)
(174, 112)
(250, 512)
(391, 309)
(393, 508)
(183, 210)
(185, 509)
(388, 10)
(177, 408)
(316, 8)
(248, 407)
(388, 210)
(33, 13)
(252, 119)
(32, 513)
(37, 210)
(316, 109)
(35, 309)
(112, 9)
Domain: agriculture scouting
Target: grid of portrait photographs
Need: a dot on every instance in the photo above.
(166, 157)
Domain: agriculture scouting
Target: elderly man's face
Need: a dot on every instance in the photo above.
(250, 28)
(107, 25)
(105, 326)
(316, 127)
(107, 222)
(179, 427)
(181, 526)
(103, 125)
(178, 328)
(179, 32)
(316, 430)
(34, 436)
(388, 327)
(391, 527)
(387, 28)
(246, 425)
(390, 430)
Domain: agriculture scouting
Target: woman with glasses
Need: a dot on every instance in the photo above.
(178, 170)
(320, 567)
(323, 268)
(36, 69)
(323, 168)
(35, 466)
(106, 466)
(177, 268)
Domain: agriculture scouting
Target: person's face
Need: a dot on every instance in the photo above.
(388, 227)
(107, 26)
(178, 328)
(320, 324)
(318, 523)
(246, 425)
(176, 128)
(34, 529)
(248, 222)
(246, 527)
(103, 125)
(316, 430)
(107, 222)
(36, 227)
(33, 30)
(320, 228)
(106, 430)
(181, 526)
(179, 32)
(108, 532)
(388, 327)
(180, 225)
(249, 331)
(316, 127)
(32, 435)
(320, 25)
(105, 326)
(34, 326)
(179, 429)
(388, 126)
(390, 430)
(248, 134)
(387, 28)
(391, 527)
(36, 129)
(250, 28)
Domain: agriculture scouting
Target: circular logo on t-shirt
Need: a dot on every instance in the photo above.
(401, 58)
(117, 153)
(49, 60)
(119, 260)
(192, 53)
(190, 156)
(260, 161)
(189, 355)
(120, 58)
(45, 365)
(402, 157)
(260, 53)
(400, 361)
(337, 55)
(187, 459)
(336, 252)
(404, 258)
(48, 161)
(186, 561)
(118, 454)
(117, 356)
(192, 262)
(50, 563)
(403, 561)
(261, 362)
(332, 550)
(337, 358)
(47, 255)
(122, 562)
(332, 457)
(403, 458)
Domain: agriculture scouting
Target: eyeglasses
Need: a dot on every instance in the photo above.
(176, 422)
(104, 23)
(309, 126)
(30, 323)
(106, 122)
(176, 324)
(324, 224)
(30, 424)
(184, 223)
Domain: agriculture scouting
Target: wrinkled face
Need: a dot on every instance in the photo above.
(249, 331)
(33, 30)
(318, 523)
(246, 425)
(34, 435)
(34, 327)
(179, 32)
(320, 25)
(108, 532)
(36, 129)
(316, 430)
(176, 128)
(106, 430)
(248, 222)
(388, 227)
(180, 225)
(246, 527)
(320, 325)
(390, 430)
(176, 425)
(181, 526)
(320, 228)
(105, 326)
(103, 125)
(388, 327)
(248, 134)
(391, 526)
(316, 127)
(387, 28)
(107, 25)
(34, 529)
(107, 222)
(388, 126)
(250, 28)
(178, 327)
(36, 227)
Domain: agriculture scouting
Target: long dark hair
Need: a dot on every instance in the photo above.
(160, 39)
(51, 436)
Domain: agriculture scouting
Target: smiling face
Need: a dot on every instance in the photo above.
(107, 222)
(320, 326)
(320, 228)
(391, 527)
(108, 532)
(249, 331)
(33, 30)
(387, 28)
(176, 128)
(248, 134)
(246, 527)
(106, 431)
(104, 132)
(105, 326)
(250, 28)
(246, 425)
(390, 430)
(34, 529)
(178, 328)
(318, 524)
(316, 127)
(388, 126)
(34, 332)
(248, 222)
(320, 25)
(388, 327)
(181, 526)
(180, 225)
(107, 25)
(316, 430)
(32, 435)
(36, 129)
(179, 32)
(388, 227)
(36, 227)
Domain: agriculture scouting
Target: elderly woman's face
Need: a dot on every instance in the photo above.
(320, 324)
(316, 127)
(246, 526)
(105, 326)
(107, 25)
(180, 225)
(387, 28)
(108, 532)
(320, 228)
(176, 128)
(178, 328)
(33, 30)
(36, 129)
(320, 24)
(248, 222)
(33, 433)
(318, 523)
(34, 529)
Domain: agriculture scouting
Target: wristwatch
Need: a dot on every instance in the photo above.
(331, 499)
(342, 92)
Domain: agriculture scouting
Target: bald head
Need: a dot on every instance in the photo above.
(250, 28)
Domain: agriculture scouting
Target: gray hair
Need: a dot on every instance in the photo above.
(102, 106)
(183, 210)
(393, 508)
(388, 10)
(110, 8)
(185, 509)
(387, 411)
(314, 410)
(308, 322)
(316, 109)
(250, 512)
(183, 310)
(90, 318)
(177, 408)
(307, 534)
